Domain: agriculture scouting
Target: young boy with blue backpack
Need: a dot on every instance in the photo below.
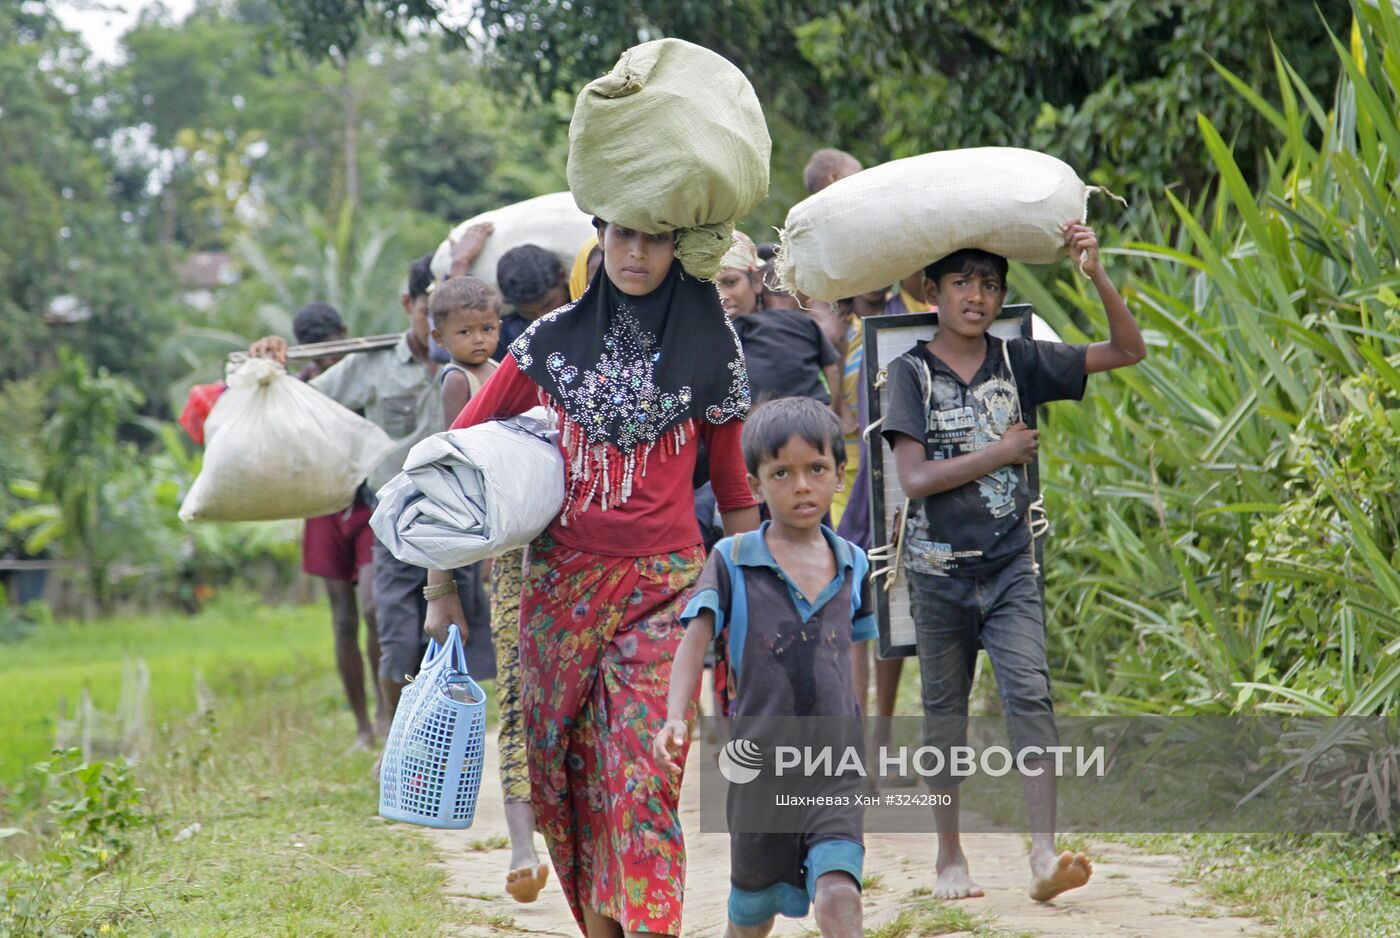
(790, 603)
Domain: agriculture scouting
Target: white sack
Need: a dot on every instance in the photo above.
(276, 448)
(878, 226)
(552, 222)
(466, 495)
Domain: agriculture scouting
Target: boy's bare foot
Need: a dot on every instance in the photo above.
(1052, 875)
(954, 881)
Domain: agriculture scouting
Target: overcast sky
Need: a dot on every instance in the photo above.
(102, 22)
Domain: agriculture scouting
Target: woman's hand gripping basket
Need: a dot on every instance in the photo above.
(431, 771)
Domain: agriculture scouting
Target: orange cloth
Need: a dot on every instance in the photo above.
(578, 276)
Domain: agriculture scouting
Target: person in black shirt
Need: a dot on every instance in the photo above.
(956, 423)
(784, 350)
(533, 281)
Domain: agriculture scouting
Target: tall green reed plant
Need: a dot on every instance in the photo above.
(1226, 512)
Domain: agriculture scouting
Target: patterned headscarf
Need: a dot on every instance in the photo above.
(628, 374)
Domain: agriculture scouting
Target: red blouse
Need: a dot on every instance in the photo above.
(659, 517)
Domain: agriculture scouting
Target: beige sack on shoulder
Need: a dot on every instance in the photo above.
(878, 226)
(279, 449)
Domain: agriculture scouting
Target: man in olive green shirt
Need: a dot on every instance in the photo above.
(397, 390)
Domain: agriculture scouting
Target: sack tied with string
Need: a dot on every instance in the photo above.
(673, 138)
(277, 448)
(880, 225)
(552, 222)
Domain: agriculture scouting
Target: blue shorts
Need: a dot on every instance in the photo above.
(747, 909)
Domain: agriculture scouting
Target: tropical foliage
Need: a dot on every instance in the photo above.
(1226, 513)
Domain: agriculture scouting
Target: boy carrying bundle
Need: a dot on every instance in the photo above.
(956, 423)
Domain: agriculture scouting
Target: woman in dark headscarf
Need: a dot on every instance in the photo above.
(638, 371)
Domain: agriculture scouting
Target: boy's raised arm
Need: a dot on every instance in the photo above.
(1125, 345)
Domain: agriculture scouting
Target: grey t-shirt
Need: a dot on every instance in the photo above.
(977, 528)
(396, 391)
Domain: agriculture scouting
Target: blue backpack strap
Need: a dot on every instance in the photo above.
(859, 569)
(738, 605)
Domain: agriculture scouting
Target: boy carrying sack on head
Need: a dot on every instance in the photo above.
(956, 423)
(791, 601)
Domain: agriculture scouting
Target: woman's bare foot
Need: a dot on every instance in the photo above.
(524, 884)
(1052, 875)
(954, 881)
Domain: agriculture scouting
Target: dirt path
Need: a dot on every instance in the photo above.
(1132, 893)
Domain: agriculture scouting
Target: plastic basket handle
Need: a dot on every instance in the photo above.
(431, 655)
(457, 660)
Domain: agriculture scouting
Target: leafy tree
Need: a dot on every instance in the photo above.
(46, 176)
(64, 235)
(453, 149)
(83, 464)
(1110, 86)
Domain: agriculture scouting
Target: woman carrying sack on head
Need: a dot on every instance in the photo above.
(638, 371)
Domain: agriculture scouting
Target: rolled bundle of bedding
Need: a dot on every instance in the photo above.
(467, 495)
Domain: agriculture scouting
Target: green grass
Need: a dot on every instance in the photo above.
(930, 918)
(1313, 886)
(231, 643)
(484, 845)
(289, 841)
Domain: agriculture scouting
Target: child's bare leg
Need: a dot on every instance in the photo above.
(954, 881)
(520, 822)
(749, 931)
(837, 906)
(1051, 873)
(345, 624)
(887, 674)
(370, 616)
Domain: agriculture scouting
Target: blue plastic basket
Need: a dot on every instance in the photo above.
(431, 770)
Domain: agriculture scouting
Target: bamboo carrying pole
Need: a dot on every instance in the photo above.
(369, 343)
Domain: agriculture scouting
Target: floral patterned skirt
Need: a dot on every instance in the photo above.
(597, 637)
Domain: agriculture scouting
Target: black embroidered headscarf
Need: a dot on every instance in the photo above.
(628, 373)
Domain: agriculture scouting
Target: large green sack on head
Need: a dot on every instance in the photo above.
(878, 226)
(673, 138)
